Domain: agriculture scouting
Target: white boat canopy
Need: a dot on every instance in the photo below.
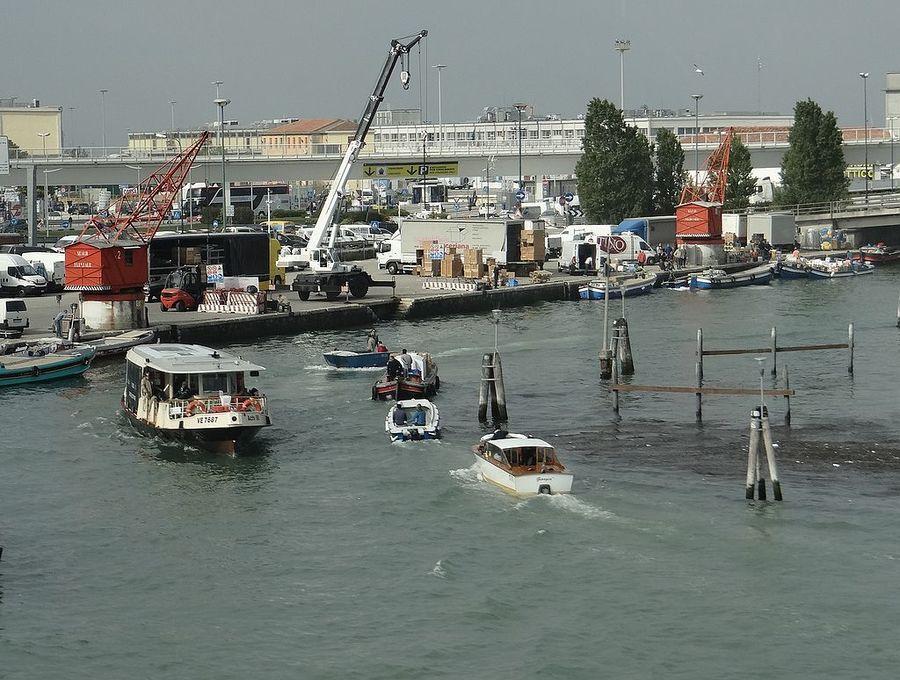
(178, 358)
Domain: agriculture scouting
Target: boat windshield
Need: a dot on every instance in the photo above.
(524, 456)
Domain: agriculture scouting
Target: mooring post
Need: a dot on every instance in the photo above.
(623, 347)
(787, 398)
(752, 455)
(774, 351)
(615, 373)
(699, 412)
(898, 312)
(770, 457)
(850, 348)
(622, 291)
(484, 391)
(700, 351)
(499, 401)
(760, 471)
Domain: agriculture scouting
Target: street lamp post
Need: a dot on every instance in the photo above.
(222, 103)
(487, 187)
(440, 67)
(622, 46)
(103, 119)
(697, 98)
(865, 79)
(43, 136)
(891, 119)
(520, 108)
(172, 103)
(218, 84)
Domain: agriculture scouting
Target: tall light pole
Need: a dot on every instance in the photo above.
(440, 67)
(218, 84)
(103, 118)
(520, 108)
(759, 67)
(865, 80)
(622, 46)
(487, 187)
(175, 139)
(172, 103)
(43, 136)
(697, 98)
(71, 119)
(892, 119)
(222, 103)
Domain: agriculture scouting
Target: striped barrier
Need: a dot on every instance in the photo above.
(449, 285)
(232, 302)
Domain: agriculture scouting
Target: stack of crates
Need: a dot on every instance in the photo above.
(473, 263)
(533, 246)
(451, 265)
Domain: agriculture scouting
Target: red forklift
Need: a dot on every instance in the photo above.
(183, 290)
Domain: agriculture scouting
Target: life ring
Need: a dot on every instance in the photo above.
(195, 405)
(250, 404)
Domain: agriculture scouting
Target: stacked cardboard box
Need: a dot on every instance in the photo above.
(451, 266)
(533, 246)
(473, 263)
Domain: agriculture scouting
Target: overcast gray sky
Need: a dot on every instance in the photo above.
(312, 58)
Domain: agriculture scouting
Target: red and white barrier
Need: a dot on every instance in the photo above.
(226, 301)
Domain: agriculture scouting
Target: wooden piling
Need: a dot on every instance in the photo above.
(770, 458)
(700, 351)
(606, 360)
(752, 456)
(774, 351)
(699, 412)
(787, 398)
(898, 312)
(484, 391)
(498, 401)
(623, 350)
(850, 341)
(614, 366)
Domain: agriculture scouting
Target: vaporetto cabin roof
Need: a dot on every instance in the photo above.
(178, 358)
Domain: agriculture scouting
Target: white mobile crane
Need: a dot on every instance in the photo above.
(326, 273)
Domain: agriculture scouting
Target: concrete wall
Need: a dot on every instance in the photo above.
(501, 298)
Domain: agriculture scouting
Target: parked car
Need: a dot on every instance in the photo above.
(55, 218)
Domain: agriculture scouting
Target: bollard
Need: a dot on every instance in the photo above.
(498, 402)
(850, 348)
(752, 452)
(487, 377)
(770, 458)
(774, 351)
(787, 398)
(614, 366)
(700, 351)
(626, 359)
(699, 413)
(606, 359)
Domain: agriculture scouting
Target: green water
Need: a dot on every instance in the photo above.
(332, 553)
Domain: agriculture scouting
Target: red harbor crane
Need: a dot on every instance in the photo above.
(698, 216)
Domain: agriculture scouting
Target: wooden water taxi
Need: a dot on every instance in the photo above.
(521, 465)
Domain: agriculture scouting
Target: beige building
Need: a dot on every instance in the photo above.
(22, 124)
(309, 137)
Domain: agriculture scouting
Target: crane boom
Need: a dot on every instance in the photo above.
(331, 204)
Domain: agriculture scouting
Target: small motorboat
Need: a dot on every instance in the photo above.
(413, 419)
(879, 254)
(716, 279)
(793, 268)
(420, 381)
(830, 268)
(350, 359)
(112, 345)
(32, 362)
(521, 465)
(596, 290)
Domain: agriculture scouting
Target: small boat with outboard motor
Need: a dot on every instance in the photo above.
(194, 394)
(521, 464)
(43, 360)
(343, 358)
(879, 254)
(717, 279)
(413, 375)
(640, 284)
(413, 419)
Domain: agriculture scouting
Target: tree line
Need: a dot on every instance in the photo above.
(622, 174)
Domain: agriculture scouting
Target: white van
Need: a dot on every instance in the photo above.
(14, 315)
(583, 247)
(49, 264)
(18, 277)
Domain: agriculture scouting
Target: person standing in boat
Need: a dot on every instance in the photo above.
(394, 368)
(372, 342)
(406, 361)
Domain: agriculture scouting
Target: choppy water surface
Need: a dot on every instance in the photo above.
(332, 553)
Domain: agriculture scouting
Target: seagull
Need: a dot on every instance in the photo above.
(698, 70)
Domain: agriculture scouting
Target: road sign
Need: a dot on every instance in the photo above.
(215, 224)
(456, 205)
(229, 211)
(4, 155)
(374, 224)
(408, 170)
(520, 195)
(569, 197)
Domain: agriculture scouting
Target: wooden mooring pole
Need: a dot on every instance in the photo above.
(898, 312)
(484, 390)
(622, 347)
(614, 370)
(774, 351)
(498, 400)
(770, 457)
(850, 341)
(752, 455)
(700, 351)
(787, 397)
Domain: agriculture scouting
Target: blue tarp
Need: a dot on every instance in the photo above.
(635, 226)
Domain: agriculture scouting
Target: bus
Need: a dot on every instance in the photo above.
(199, 195)
(252, 255)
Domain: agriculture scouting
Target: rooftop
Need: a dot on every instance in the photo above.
(308, 126)
(178, 358)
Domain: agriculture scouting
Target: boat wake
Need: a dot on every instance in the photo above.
(457, 351)
(467, 476)
(320, 367)
(438, 570)
(576, 506)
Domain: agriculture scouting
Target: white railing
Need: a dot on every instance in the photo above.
(179, 408)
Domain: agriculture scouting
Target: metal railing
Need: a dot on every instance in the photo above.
(848, 205)
(179, 407)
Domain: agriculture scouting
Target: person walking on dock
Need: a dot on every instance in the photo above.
(680, 256)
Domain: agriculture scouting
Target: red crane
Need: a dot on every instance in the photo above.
(712, 189)
(110, 259)
(698, 216)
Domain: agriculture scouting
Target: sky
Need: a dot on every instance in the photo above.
(312, 59)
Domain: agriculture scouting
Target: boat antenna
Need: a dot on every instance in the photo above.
(495, 319)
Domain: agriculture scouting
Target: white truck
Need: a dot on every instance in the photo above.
(13, 317)
(18, 277)
(491, 236)
(584, 254)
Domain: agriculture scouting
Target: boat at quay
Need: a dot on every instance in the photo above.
(717, 279)
(829, 268)
(33, 362)
(596, 290)
(879, 254)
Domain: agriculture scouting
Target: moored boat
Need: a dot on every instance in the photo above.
(829, 268)
(194, 394)
(351, 359)
(420, 380)
(521, 465)
(879, 254)
(33, 362)
(112, 345)
(716, 279)
(793, 269)
(413, 419)
(596, 290)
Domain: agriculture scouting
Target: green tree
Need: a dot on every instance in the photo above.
(615, 172)
(812, 170)
(669, 173)
(741, 183)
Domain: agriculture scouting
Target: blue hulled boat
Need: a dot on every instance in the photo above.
(350, 359)
(596, 290)
(43, 362)
(716, 279)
